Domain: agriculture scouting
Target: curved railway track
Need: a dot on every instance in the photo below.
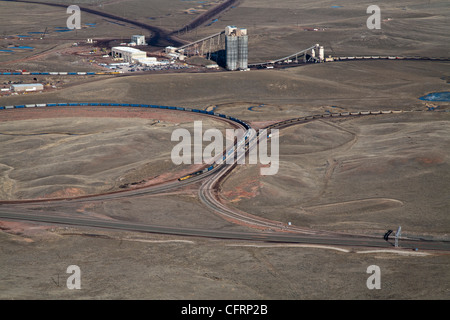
(273, 231)
(174, 184)
(210, 178)
(208, 192)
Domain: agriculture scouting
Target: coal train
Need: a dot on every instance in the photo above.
(83, 104)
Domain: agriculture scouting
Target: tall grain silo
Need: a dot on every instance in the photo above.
(242, 49)
(232, 52)
(321, 54)
(231, 47)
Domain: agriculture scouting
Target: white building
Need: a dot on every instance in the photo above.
(128, 54)
(176, 56)
(212, 66)
(27, 87)
(149, 61)
(138, 39)
(170, 49)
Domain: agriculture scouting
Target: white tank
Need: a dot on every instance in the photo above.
(321, 53)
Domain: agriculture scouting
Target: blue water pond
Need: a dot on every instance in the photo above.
(436, 96)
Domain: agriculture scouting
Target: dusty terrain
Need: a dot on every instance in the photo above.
(362, 175)
(130, 266)
(363, 85)
(88, 150)
(414, 198)
(408, 27)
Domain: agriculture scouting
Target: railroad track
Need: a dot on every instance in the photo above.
(209, 195)
(353, 58)
(170, 185)
(209, 190)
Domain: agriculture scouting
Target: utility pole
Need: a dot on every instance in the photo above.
(397, 235)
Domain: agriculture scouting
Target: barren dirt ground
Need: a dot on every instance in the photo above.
(363, 175)
(101, 151)
(132, 266)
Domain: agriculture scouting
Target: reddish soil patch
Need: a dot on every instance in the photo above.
(97, 111)
(250, 188)
(22, 228)
(430, 160)
(67, 193)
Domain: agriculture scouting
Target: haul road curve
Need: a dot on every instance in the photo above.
(159, 36)
(208, 194)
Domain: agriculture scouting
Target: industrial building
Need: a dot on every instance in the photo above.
(171, 49)
(26, 87)
(318, 53)
(236, 48)
(150, 61)
(139, 40)
(127, 54)
(212, 66)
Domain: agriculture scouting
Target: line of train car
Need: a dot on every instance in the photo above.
(387, 58)
(226, 154)
(328, 59)
(196, 173)
(81, 104)
(335, 114)
(244, 140)
(80, 73)
(376, 57)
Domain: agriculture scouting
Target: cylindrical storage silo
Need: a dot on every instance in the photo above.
(231, 43)
(243, 52)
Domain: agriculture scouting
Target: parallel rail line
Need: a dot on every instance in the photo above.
(208, 193)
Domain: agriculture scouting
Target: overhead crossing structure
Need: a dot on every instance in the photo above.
(311, 54)
(206, 47)
(214, 47)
